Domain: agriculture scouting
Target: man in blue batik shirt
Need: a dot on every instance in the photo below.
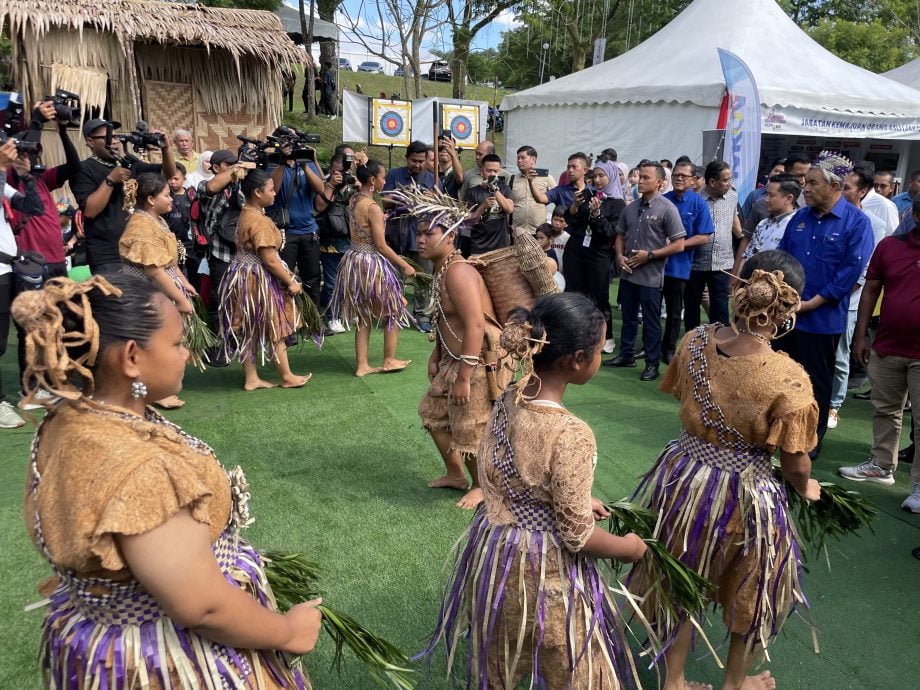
(833, 240)
(694, 214)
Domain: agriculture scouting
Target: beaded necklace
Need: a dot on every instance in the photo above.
(440, 317)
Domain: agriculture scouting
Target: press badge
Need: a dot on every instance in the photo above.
(587, 241)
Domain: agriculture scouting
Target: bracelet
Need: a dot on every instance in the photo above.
(472, 360)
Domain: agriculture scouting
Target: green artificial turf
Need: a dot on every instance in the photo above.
(338, 470)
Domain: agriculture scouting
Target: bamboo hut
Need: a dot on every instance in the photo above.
(215, 72)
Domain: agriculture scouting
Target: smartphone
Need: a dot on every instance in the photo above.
(541, 172)
(445, 134)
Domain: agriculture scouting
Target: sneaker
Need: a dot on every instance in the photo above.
(8, 417)
(424, 326)
(867, 472)
(912, 502)
(42, 396)
(833, 417)
(336, 326)
(610, 346)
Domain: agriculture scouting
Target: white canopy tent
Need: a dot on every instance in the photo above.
(657, 99)
(908, 73)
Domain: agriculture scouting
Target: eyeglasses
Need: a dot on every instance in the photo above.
(103, 136)
(680, 176)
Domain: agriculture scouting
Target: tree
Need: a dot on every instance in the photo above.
(309, 76)
(397, 33)
(466, 20)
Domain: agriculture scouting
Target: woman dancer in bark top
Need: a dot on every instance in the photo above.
(367, 287)
(258, 310)
(526, 594)
(154, 585)
(149, 250)
(722, 511)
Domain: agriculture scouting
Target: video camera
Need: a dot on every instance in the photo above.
(142, 139)
(271, 151)
(11, 112)
(66, 107)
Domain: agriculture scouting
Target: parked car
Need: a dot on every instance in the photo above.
(370, 66)
(345, 64)
(399, 72)
(440, 71)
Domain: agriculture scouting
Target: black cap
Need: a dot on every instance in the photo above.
(91, 126)
(223, 156)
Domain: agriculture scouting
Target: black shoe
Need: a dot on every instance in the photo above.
(650, 373)
(620, 361)
(815, 452)
(666, 357)
(641, 354)
(215, 357)
(906, 455)
(863, 396)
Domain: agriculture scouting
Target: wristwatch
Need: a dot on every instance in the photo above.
(109, 182)
(651, 256)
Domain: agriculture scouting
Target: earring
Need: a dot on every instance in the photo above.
(138, 390)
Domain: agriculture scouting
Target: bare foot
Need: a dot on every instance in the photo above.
(472, 499)
(448, 482)
(395, 365)
(255, 385)
(170, 403)
(295, 381)
(364, 371)
(762, 681)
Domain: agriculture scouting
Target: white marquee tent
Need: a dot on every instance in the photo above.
(656, 99)
(908, 73)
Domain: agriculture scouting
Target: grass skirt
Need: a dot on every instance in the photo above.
(725, 515)
(523, 604)
(368, 289)
(114, 635)
(255, 310)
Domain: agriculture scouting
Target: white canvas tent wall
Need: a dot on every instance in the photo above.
(655, 100)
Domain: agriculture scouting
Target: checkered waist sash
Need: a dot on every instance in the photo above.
(750, 458)
(246, 257)
(535, 516)
(114, 602)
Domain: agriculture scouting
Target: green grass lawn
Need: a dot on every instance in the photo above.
(338, 470)
(330, 131)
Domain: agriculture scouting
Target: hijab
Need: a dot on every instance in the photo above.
(193, 179)
(613, 189)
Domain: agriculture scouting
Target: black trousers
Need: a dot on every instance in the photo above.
(55, 270)
(817, 353)
(631, 297)
(673, 292)
(589, 275)
(301, 254)
(216, 270)
(717, 282)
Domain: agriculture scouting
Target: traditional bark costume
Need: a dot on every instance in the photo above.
(256, 311)
(521, 595)
(721, 510)
(367, 286)
(98, 471)
(148, 241)
(466, 423)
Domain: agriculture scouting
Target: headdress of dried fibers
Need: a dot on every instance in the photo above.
(517, 340)
(765, 300)
(41, 314)
(431, 205)
(130, 189)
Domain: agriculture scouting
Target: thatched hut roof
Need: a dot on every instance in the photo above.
(241, 32)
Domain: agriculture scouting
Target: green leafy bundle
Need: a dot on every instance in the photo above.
(672, 581)
(294, 579)
(837, 513)
(312, 327)
(421, 279)
(198, 335)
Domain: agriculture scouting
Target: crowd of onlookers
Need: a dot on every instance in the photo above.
(675, 234)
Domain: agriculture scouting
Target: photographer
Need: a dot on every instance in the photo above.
(99, 190)
(29, 203)
(221, 201)
(334, 227)
(450, 168)
(42, 232)
(296, 181)
(492, 204)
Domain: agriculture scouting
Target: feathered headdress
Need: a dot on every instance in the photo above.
(431, 205)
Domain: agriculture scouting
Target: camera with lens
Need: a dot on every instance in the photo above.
(66, 107)
(348, 177)
(142, 138)
(11, 112)
(493, 183)
(32, 149)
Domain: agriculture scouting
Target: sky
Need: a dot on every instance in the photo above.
(364, 13)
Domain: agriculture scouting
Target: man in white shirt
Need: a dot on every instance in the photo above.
(874, 204)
